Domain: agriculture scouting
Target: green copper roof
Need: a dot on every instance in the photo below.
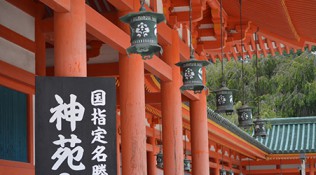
(291, 135)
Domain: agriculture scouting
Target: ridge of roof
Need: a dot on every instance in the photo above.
(217, 118)
(292, 120)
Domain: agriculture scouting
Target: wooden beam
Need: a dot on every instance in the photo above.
(285, 41)
(17, 74)
(270, 45)
(234, 141)
(61, 6)
(122, 5)
(16, 168)
(28, 6)
(17, 39)
(262, 46)
(191, 95)
(153, 98)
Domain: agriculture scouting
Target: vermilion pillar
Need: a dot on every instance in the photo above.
(70, 41)
(172, 112)
(40, 53)
(199, 136)
(132, 105)
(151, 156)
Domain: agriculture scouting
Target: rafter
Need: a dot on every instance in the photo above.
(263, 48)
(61, 6)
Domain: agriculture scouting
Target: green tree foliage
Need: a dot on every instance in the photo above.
(287, 84)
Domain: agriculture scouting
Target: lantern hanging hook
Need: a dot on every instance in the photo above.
(142, 5)
(190, 21)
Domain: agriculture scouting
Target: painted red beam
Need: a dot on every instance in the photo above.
(234, 141)
(17, 39)
(272, 162)
(17, 74)
(26, 6)
(61, 6)
(277, 171)
(126, 5)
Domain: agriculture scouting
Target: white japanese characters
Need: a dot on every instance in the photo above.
(71, 112)
(98, 99)
(69, 149)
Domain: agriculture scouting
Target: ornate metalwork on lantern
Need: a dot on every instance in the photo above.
(187, 165)
(224, 100)
(245, 116)
(192, 74)
(159, 159)
(143, 28)
(260, 129)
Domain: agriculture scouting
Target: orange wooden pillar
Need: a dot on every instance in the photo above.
(70, 41)
(312, 166)
(151, 156)
(172, 112)
(132, 105)
(40, 53)
(199, 136)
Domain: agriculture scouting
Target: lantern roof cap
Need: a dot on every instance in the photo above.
(223, 88)
(245, 106)
(127, 18)
(204, 63)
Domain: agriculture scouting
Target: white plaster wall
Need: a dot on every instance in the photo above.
(17, 20)
(22, 23)
(17, 56)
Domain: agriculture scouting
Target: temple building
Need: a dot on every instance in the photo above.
(86, 38)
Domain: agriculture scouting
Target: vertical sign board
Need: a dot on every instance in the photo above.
(75, 126)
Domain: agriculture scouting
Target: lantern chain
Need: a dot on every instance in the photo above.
(221, 26)
(190, 24)
(185, 143)
(160, 136)
(222, 158)
(257, 73)
(142, 7)
(242, 55)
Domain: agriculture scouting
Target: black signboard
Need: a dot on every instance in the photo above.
(75, 126)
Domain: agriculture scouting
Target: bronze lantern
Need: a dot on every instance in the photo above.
(187, 165)
(159, 159)
(143, 28)
(193, 74)
(245, 116)
(259, 128)
(224, 100)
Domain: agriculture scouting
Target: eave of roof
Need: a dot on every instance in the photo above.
(217, 118)
(291, 135)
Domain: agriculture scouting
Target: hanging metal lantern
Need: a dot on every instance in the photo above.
(224, 100)
(187, 165)
(230, 172)
(193, 74)
(260, 129)
(159, 159)
(143, 27)
(245, 116)
(222, 172)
